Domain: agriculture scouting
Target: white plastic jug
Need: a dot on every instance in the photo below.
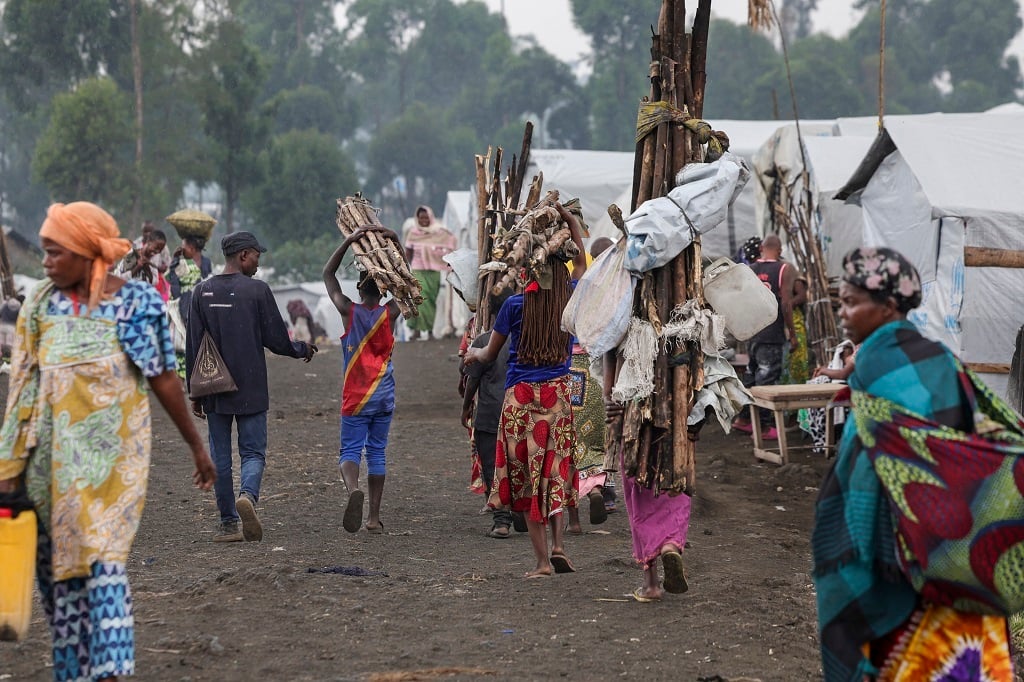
(735, 292)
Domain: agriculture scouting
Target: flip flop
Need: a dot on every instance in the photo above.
(499, 533)
(561, 564)
(353, 512)
(675, 578)
(598, 514)
(519, 522)
(638, 594)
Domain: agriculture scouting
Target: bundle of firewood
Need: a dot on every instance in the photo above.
(522, 251)
(379, 256)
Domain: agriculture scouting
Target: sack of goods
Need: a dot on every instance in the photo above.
(599, 310)
(191, 223)
(661, 229)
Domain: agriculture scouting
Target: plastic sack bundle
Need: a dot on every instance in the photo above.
(599, 309)
(659, 229)
(463, 275)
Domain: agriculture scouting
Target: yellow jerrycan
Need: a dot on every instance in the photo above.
(18, 559)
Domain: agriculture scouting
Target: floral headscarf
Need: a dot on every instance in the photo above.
(886, 272)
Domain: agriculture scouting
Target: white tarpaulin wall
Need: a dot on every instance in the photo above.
(314, 295)
(831, 161)
(456, 217)
(931, 185)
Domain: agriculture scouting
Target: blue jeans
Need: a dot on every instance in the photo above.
(369, 431)
(766, 367)
(252, 450)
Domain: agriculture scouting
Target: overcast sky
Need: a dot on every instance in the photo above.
(550, 22)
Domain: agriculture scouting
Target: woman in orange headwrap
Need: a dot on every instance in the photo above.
(76, 434)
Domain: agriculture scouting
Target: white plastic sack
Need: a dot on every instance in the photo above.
(599, 309)
(659, 229)
(464, 276)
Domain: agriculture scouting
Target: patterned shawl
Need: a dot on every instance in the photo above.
(862, 595)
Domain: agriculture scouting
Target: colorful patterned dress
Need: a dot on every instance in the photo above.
(78, 426)
(588, 418)
(188, 275)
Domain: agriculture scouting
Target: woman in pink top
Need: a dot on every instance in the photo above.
(426, 242)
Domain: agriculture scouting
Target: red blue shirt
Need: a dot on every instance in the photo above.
(369, 385)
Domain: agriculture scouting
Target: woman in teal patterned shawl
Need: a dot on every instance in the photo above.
(868, 613)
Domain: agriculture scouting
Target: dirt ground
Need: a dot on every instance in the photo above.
(442, 598)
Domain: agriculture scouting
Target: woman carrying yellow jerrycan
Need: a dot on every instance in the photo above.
(76, 433)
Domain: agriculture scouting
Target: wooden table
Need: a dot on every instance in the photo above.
(778, 399)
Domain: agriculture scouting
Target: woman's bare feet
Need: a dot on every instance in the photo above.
(574, 527)
(544, 571)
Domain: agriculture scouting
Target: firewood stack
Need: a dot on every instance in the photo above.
(379, 256)
(497, 205)
(657, 445)
(521, 252)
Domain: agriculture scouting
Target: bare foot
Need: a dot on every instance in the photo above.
(574, 527)
(539, 572)
(648, 594)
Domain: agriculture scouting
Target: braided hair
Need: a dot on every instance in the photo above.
(542, 342)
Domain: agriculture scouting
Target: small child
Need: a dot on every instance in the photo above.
(368, 393)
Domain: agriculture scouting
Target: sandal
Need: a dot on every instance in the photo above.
(499, 532)
(675, 578)
(638, 594)
(561, 564)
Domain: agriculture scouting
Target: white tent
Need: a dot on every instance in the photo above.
(830, 162)
(745, 138)
(458, 207)
(314, 295)
(929, 187)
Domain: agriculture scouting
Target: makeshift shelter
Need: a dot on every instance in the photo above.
(457, 217)
(943, 190)
(830, 160)
(314, 295)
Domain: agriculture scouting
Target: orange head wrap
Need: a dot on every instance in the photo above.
(89, 231)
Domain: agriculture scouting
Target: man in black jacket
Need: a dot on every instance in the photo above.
(242, 318)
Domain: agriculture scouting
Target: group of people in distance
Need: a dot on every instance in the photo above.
(75, 442)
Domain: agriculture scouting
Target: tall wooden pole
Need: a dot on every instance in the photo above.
(657, 444)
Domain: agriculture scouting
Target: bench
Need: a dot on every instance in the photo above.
(778, 399)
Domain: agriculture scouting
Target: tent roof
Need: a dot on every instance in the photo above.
(832, 159)
(966, 163)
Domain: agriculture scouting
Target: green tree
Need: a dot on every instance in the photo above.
(428, 153)
(380, 33)
(824, 84)
(309, 107)
(304, 173)
(968, 41)
(230, 79)
(737, 58)
(303, 260)
(86, 150)
(620, 40)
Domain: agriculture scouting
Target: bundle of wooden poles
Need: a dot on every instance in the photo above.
(658, 447)
(379, 256)
(497, 210)
(792, 215)
(522, 252)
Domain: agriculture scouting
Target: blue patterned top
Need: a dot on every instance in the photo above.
(142, 326)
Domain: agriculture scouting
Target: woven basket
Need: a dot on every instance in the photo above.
(191, 223)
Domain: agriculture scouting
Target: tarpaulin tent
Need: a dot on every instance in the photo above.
(936, 188)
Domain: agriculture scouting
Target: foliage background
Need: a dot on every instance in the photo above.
(264, 112)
